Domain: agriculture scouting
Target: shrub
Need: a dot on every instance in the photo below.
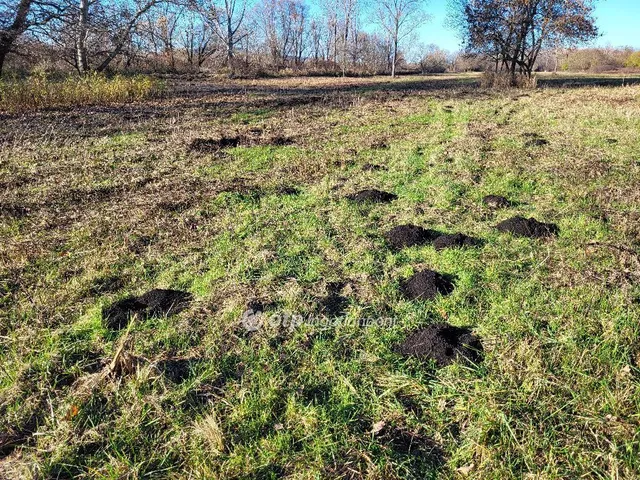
(39, 91)
(633, 60)
(504, 80)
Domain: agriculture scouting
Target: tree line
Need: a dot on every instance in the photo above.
(328, 36)
(95, 35)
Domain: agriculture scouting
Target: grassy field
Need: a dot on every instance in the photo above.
(99, 203)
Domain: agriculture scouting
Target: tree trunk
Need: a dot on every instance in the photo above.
(230, 55)
(81, 41)
(17, 28)
(230, 44)
(394, 57)
(3, 55)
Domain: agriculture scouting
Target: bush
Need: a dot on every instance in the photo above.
(633, 60)
(39, 91)
(504, 80)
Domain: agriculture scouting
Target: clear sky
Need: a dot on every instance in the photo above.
(618, 21)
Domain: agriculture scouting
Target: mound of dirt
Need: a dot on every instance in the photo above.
(370, 167)
(379, 145)
(496, 201)
(372, 196)
(153, 303)
(537, 142)
(117, 315)
(404, 236)
(279, 141)
(444, 344)
(178, 369)
(426, 285)
(527, 227)
(14, 211)
(165, 302)
(333, 305)
(212, 145)
(175, 207)
(456, 240)
(287, 190)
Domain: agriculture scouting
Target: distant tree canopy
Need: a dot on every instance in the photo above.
(513, 32)
(258, 37)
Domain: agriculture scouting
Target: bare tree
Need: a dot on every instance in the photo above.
(198, 40)
(93, 33)
(160, 32)
(339, 16)
(348, 12)
(284, 26)
(513, 32)
(226, 18)
(398, 19)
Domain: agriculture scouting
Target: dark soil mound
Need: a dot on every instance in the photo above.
(279, 141)
(537, 142)
(456, 240)
(175, 207)
(285, 190)
(211, 145)
(426, 285)
(370, 167)
(165, 302)
(444, 344)
(259, 305)
(379, 145)
(404, 236)
(527, 227)
(333, 305)
(496, 201)
(117, 315)
(154, 302)
(372, 196)
(178, 369)
(14, 211)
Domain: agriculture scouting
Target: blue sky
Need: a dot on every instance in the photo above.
(618, 21)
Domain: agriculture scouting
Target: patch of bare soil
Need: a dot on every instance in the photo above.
(287, 190)
(333, 305)
(427, 285)
(444, 344)
(372, 196)
(14, 211)
(155, 302)
(370, 167)
(404, 236)
(455, 240)
(178, 369)
(214, 145)
(406, 442)
(496, 201)
(535, 140)
(527, 227)
(379, 145)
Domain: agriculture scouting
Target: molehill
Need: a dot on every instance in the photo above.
(444, 344)
(155, 302)
(426, 285)
(527, 227)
